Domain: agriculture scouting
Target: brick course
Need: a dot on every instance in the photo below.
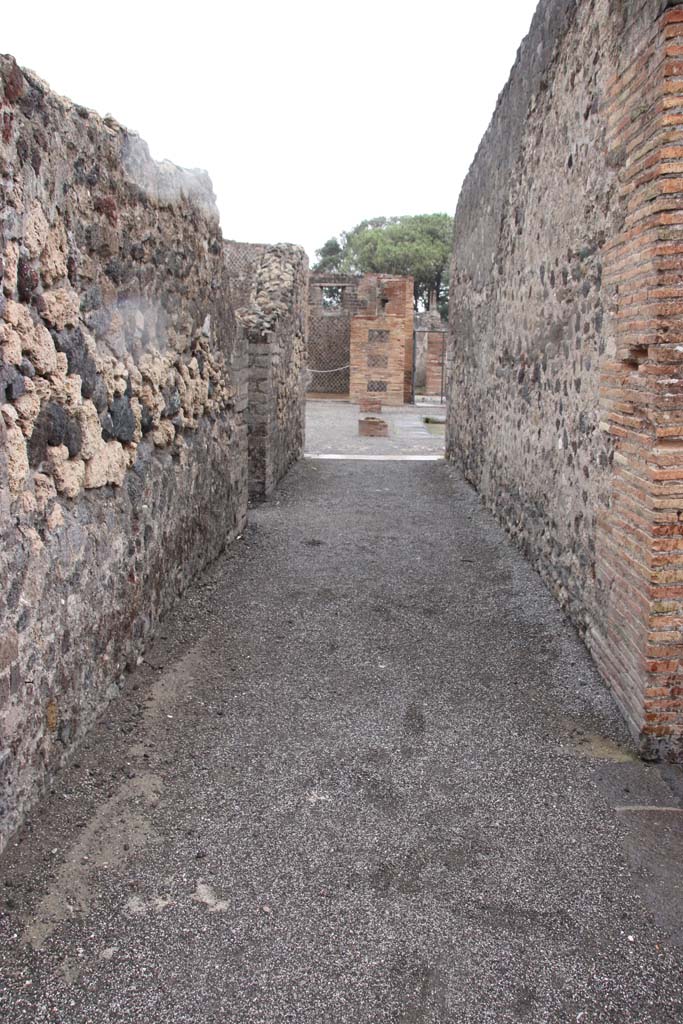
(435, 377)
(564, 369)
(381, 340)
(639, 545)
(429, 325)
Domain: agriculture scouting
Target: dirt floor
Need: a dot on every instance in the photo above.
(366, 773)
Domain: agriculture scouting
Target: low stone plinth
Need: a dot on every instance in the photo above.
(372, 426)
(370, 405)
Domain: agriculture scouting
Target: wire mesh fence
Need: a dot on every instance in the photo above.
(328, 366)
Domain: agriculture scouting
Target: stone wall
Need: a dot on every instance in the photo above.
(275, 323)
(566, 345)
(123, 394)
(242, 260)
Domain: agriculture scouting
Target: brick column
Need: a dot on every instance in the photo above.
(639, 544)
(261, 413)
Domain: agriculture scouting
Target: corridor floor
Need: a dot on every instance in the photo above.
(366, 773)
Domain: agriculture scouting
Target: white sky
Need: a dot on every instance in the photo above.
(308, 116)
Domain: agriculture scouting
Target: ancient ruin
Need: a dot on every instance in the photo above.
(151, 375)
(566, 349)
(431, 335)
(361, 336)
(272, 310)
(362, 767)
(373, 426)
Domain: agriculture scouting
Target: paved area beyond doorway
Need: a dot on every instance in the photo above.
(332, 429)
(366, 775)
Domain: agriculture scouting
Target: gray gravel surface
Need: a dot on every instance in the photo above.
(332, 428)
(366, 773)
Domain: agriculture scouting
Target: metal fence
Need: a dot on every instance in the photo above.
(328, 366)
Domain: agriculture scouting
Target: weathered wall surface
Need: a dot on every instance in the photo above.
(381, 346)
(330, 333)
(242, 260)
(369, 333)
(430, 353)
(566, 231)
(435, 374)
(275, 323)
(123, 395)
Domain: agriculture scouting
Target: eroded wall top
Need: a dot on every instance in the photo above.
(123, 390)
(112, 328)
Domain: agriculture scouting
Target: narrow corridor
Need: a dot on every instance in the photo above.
(366, 773)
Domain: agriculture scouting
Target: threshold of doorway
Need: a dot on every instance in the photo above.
(375, 458)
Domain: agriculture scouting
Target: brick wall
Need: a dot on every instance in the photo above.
(381, 340)
(435, 378)
(341, 336)
(565, 401)
(423, 323)
(638, 641)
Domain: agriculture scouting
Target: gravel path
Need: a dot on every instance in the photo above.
(366, 773)
(332, 428)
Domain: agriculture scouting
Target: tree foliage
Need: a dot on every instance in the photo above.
(419, 246)
(329, 256)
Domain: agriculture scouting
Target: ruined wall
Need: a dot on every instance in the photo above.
(123, 394)
(430, 353)
(435, 371)
(564, 380)
(382, 339)
(275, 323)
(422, 324)
(242, 260)
(329, 333)
(369, 334)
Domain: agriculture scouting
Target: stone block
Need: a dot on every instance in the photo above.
(372, 426)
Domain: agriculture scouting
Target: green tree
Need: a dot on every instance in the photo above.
(419, 246)
(330, 256)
